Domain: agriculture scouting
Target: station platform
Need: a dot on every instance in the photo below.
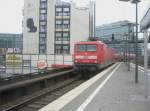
(111, 90)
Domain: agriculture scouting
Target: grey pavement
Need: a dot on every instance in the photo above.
(120, 93)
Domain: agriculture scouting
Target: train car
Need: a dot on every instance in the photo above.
(91, 56)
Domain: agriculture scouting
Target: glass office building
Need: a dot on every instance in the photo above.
(115, 35)
(121, 47)
(115, 31)
(10, 41)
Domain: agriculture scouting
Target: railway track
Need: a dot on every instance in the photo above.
(44, 97)
(27, 90)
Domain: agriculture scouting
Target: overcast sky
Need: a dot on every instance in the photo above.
(107, 11)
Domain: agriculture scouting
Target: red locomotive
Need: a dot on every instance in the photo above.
(92, 56)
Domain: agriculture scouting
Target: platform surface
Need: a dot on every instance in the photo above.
(115, 91)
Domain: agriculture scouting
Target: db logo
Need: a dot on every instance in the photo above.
(41, 64)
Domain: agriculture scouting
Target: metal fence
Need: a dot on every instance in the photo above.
(18, 64)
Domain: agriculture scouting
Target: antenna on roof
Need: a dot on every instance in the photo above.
(94, 38)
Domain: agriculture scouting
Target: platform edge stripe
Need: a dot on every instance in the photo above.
(90, 98)
(58, 104)
(140, 68)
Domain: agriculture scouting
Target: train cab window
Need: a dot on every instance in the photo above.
(84, 47)
(81, 48)
(91, 48)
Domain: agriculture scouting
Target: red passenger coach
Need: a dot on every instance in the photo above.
(92, 56)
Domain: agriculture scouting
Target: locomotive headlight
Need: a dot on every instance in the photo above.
(95, 61)
(79, 57)
(76, 60)
(92, 57)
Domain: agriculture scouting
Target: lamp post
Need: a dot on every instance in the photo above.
(136, 39)
(127, 40)
(136, 42)
(145, 25)
(129, 43)
(94, 19)
(146, 63)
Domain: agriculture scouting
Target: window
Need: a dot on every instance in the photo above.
(66, 22)
(42, 46)
(66, 9)
(81, 48)
(43, 35)
(59, 26)
(84, 47)
(91, 48)
(66, 36)
(66, 49)
(62, 49)
(43, 17)
(42, 29)
(43, 0)
(42, 11)
(58, 49)
(42, 26)
(65, 39)
(42, 40)
(42, 22)
(42, 51)
(59, 13)
(59, 22)
(66, 13)
(59, 9)
(43, 5)
(66, 26)
(58, 36)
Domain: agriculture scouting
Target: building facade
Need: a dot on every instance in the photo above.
(117, 34)
(53, 26)
(10, 42)
(121, 47)
(115, 31)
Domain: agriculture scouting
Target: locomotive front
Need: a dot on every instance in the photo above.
(86, 56)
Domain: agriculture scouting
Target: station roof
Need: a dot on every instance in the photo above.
(145, 22)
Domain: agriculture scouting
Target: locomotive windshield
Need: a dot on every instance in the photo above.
(85, 47)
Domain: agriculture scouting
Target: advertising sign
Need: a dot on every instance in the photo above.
(13, 60)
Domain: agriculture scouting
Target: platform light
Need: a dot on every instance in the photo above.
(136, 40)
(125, 0)
(135, 1)
(132, 1)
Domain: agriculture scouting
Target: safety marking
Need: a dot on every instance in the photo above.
(90, 98)
(140, 68)
(58, 104)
